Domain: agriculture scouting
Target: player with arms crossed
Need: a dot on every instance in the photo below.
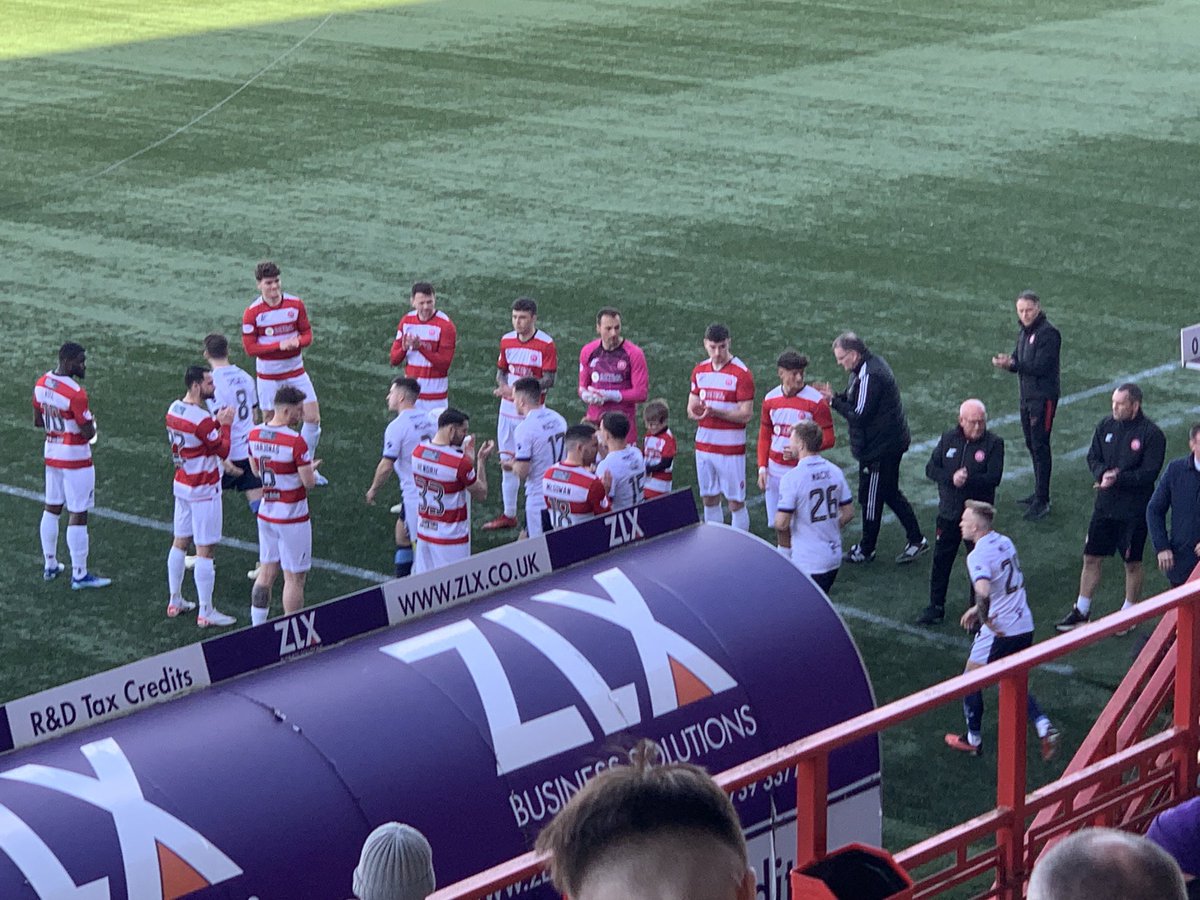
(525, 352)
(1004, 621)
(539, 437)
(814, 505)
(199, 443)
(281, 458)
(275, 329)
(573, 492)
(791, 402)
(425, 343)
(623, 469)
(721, 402)
(612, 371)
(658, 449)
(60, 407)
(410, 427)
(234, 388)
(447, 472)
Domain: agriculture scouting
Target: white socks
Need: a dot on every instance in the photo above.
(1128, 603)
(1043, 726)
(49, 535)
(77, 543)
(714, 514)
(1083, 604)
(258, 615)
(740, 519)
(509, 483)
(205, 574)
(311, 432)
(175, 559)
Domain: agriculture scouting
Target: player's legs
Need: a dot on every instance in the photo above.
(1040, 414)
(825, 580)
(48, 527)
(731, 478)
(708, 480)
(422, 558)
(1133, 546)
(403, 559)
(181, 538)
(438, 555)
(293, 591)
(266, 388)
(947, 538)
(268, 555)
(79, 490)
(1103, 537)
(506, 445)
(893, 497)
(295, 558)
(872, 507)
(533, 515)
(207, 520)
(771, 496)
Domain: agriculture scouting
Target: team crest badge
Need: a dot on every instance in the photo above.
(1135, 444)
(980, 456)
(620, 365)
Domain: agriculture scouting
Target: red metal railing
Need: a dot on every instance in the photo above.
(1121, 776)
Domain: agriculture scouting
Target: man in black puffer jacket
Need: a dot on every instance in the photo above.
(1178, 492)
(1035, 360)
(878, 438)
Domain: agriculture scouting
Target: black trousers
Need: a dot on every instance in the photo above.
(879, 486)
(1037, 420)
(945, 550)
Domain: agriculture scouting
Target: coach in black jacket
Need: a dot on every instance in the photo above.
(967, 464)
(1179, 492)
(1125, 458)
(878, 438)
(1035, 359)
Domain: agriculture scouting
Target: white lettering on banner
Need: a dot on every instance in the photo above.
(623, 527)
(106, 695)
(485, 573)
(657, 645)
(677, 672)
(515, 743)
(297, 633)
(145, 832)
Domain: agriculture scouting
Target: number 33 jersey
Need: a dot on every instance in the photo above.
(813, 493)
(442, 475)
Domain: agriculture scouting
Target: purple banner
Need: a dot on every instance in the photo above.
(329, 623)
(621, 528)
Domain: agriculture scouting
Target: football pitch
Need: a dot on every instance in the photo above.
(902, 168)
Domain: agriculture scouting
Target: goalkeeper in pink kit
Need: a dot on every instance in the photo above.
(612, 372)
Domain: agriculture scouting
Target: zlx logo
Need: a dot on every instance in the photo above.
(677, 672)
(163, 858)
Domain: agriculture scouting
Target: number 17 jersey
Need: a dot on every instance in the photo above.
(813, 493)
(539, 439)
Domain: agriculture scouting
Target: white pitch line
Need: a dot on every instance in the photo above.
(116, 515)
(927, 636)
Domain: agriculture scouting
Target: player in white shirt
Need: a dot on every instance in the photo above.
(623, 469)
(815, 504)
(410, 427)
(538, 441)
(1001, 618)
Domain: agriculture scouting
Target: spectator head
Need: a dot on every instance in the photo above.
(1104, 862)
(608, 326)
(1029, 307)
(655, 414)
(849, 350)
(646, 831)
(216, 346)
(396, 864)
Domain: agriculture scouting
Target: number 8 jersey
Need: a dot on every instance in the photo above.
(813, 493)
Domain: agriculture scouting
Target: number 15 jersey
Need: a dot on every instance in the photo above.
(813, 493)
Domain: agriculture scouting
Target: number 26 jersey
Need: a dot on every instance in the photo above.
(814, 493)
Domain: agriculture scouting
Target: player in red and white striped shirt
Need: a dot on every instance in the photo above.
(572, 490)
(447, 473)
(525, 352)
(281, 458)
(793, 401)
(199, 442)
(60, 406)
(424, 345)
(722, 402)
(658, 448)
(275, 329)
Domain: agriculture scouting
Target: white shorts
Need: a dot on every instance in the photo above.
(533, 515)
(506, 435)
(429, 556)
(981, 647)
(432, 406)
(720, 473)
(412, 499)
(74, 488)
(200, 520)
(289, 544)
(267, 388)
(772, 498)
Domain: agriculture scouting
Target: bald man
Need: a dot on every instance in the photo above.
(649, 831)
(1104, 862)
(966, 464)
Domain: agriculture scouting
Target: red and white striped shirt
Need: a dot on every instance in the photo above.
(63, 403)
(265, 327)
(573, 495)
(779, 414)
(428, 362)
(280, 453)
(532, 358)
(722, 389)
(442, 475)
(656, 448)
(198, 444)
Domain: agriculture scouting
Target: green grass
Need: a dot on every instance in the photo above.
(795, 169)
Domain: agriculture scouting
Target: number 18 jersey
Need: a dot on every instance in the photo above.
(813, 493)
